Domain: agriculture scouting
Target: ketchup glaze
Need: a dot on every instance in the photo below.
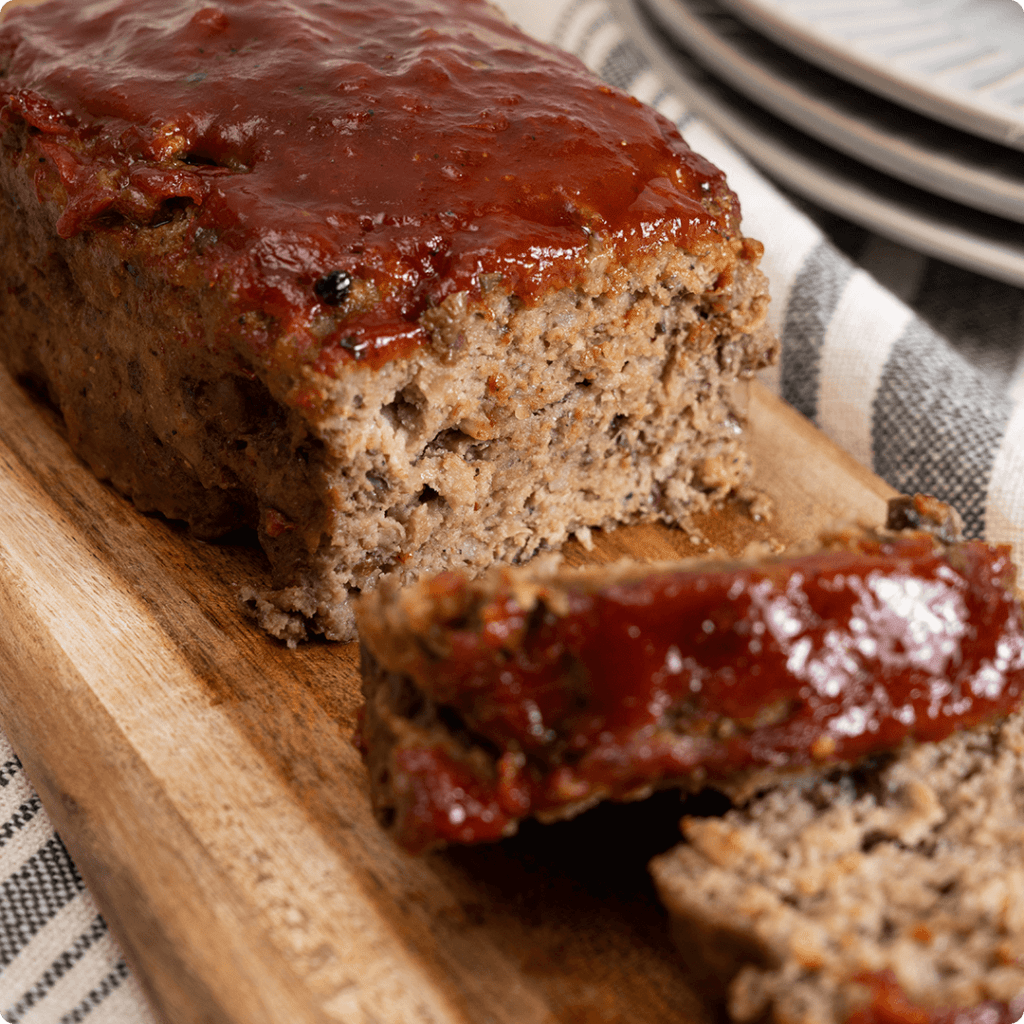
(693, 676)
(410, 148)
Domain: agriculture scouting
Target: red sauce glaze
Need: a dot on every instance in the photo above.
(416, 145)
(828, 657)
(889, 1005)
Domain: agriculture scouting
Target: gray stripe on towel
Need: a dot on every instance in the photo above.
(26, 813)
(8, 770)
(33, 895)
(112, 981)
(623, 65)
(937, 424)
(812, 304)
(96, 931)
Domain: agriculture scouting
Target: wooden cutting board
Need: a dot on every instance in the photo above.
(203, 778)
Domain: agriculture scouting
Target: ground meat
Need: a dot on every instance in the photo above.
(891, 894)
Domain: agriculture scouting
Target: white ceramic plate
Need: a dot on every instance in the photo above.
(978, 241)
(959, 61)
(899, 142)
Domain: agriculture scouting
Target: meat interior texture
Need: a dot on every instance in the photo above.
(539, 691)
(450, 377)
(894, 895)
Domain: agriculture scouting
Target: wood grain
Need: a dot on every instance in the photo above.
(203, 777)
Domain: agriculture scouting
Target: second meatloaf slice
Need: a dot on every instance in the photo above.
(538, 691)
(394, 284)
(890, 895)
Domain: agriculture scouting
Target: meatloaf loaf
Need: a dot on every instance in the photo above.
(394, 284)
(537, 691)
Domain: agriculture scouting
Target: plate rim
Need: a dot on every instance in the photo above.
(872, 141)
(834, 190)
(990, 120)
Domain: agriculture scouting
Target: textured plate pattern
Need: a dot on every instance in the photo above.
(889, 137)
(960, 61)
(949, 231)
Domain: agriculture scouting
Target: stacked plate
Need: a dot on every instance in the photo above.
(905, 116)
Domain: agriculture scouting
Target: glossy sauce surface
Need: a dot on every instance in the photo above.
(411, 146)
(827, 657)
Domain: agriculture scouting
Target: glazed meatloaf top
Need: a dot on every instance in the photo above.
(334, 169)
(539, 690)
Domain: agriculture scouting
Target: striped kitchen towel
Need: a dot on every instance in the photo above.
(913, 366)
(58, 962)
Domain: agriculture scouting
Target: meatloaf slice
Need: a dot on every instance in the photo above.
(889, 895)
(539, 691)
(393, 284)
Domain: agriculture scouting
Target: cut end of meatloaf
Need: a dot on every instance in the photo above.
(537, 692)
(613, 402)
(901, 883)
(525, 425)
(384, 375)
